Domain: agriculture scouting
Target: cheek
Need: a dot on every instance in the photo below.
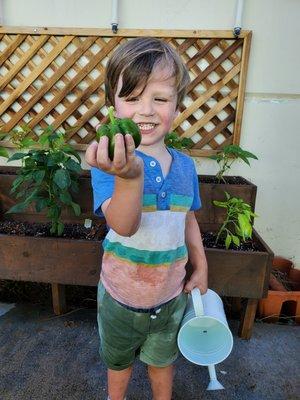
(122, 108)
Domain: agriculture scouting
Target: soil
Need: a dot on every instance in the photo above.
(71, 231)
(98, 232)
(209, 241)
(232, 180)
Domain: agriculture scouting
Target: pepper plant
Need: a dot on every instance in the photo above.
(172, 139)
(237, 226)
(48, 175)
(227, 156)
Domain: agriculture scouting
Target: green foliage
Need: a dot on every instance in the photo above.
(227, 156)
(176, 142)
(237, 227)
(48, 175)
(3, 151)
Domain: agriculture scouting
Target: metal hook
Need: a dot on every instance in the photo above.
(114, 27)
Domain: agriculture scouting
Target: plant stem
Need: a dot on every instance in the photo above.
(111, 114)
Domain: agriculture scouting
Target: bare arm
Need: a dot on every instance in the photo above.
(123, 210)
(196, 255)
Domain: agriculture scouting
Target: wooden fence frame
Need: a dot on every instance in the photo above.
(240, 69)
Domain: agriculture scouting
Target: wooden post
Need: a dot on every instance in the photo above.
(58, 298)
(247, 318)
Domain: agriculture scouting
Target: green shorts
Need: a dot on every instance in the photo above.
(124, 333)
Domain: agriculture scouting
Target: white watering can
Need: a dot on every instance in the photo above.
(204, 337)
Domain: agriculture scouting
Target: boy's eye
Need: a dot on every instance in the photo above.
(132, 99)
(160, 99)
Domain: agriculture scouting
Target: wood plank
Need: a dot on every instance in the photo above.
(48, 85)
(214, 64)
(24, 85)
(242, 85)
(85, 71)
(24, 59)
(206, 96)
(11, 47)
(182, 33)
(247, 319)
(213, 111)
(58, 299)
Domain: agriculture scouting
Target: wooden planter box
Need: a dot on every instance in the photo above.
(209, 214)
(78, 262)
(57, 261)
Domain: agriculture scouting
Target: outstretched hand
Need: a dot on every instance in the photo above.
(125, 163)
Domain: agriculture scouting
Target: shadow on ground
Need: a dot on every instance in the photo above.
(43, 356)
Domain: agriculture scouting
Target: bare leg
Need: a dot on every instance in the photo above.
(161, 382)
(118, 382)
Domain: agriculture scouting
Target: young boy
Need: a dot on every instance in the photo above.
(148, 197)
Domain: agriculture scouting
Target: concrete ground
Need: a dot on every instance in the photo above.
(43, 356)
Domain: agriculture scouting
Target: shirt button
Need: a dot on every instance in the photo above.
(152, 163)
(153, 316)
(163, 195)
(158, 179)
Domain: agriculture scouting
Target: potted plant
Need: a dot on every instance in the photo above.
(48, 187)
(212, 187)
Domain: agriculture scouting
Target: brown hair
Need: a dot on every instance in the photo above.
(135, 60)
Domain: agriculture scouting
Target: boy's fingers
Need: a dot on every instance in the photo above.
(102, 153)
(119, 152)
(130, 146)
(91, 154)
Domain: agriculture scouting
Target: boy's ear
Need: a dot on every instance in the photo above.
(177, 112)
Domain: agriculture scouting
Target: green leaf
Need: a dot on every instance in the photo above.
(38, 176)
(65, 197)
(4, 152)
(220, 203)
(17, 156)
(245, 226)
(62, 178)
(40, 204)
(227, 241)
(20, 207)
(27, 142)
(60, 228)
(54, 212)
(76, 208)
(73, 166)
(235, 240)
(69, 150)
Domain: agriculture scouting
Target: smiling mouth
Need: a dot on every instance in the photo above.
(145, 127)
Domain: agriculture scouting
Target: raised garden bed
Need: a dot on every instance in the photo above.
(62, 261)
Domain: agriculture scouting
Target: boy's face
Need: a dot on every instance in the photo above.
(154, 110)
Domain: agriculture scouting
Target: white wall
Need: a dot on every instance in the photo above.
(272, 107)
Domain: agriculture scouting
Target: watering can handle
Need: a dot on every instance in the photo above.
(197, 302)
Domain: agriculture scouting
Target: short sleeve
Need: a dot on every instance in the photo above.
(196, 190)
(103, 187)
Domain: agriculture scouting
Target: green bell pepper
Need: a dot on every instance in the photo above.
(117, 125)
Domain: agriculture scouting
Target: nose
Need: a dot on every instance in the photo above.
(146, 107)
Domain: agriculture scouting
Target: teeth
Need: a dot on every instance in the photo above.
(145, 127)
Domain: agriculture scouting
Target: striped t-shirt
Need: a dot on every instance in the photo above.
(148, 268)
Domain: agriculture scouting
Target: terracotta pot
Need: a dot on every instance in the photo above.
(282, 302)
(282, 264)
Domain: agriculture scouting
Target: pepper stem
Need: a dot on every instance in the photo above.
(111, 112)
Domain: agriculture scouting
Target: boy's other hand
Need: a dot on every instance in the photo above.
(125, 163)
(198, 279)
